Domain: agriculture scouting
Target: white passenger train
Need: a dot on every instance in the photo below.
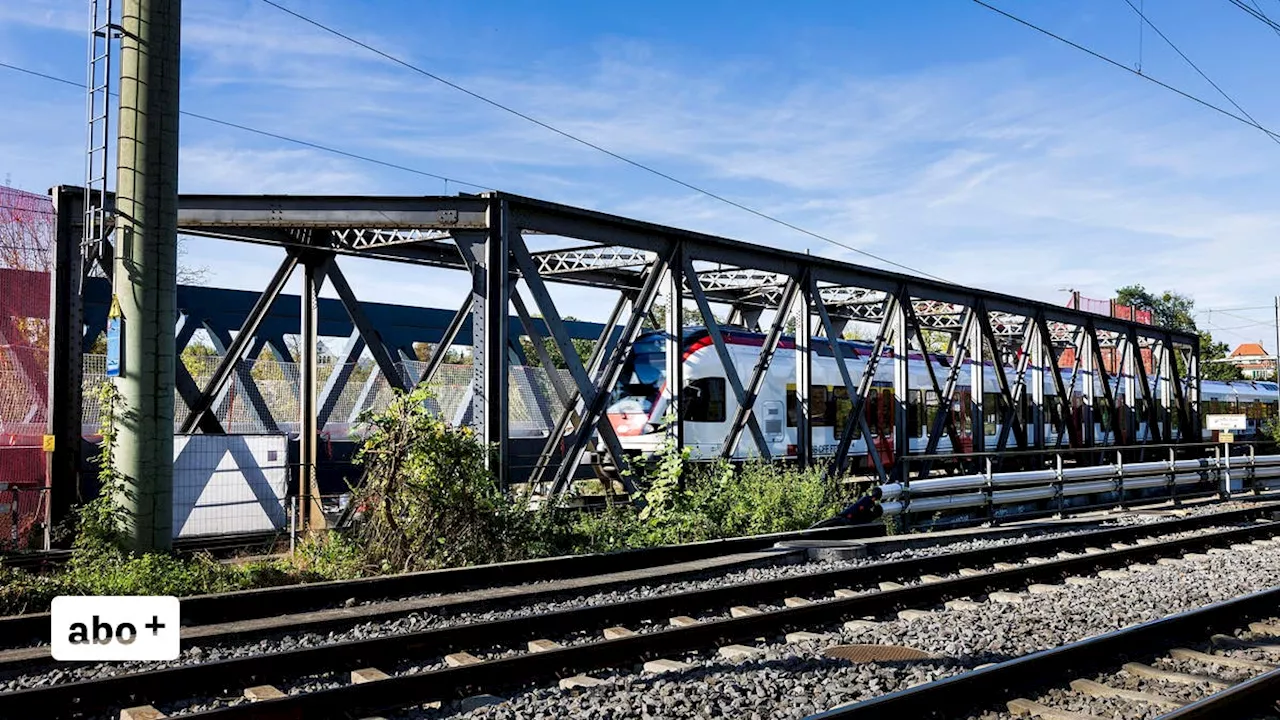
(640, 400)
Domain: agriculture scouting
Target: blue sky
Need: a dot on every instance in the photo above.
(934, 133)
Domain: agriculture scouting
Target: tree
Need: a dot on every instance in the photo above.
(659, 317)
(1170, 309)
(1210, 351)
(1177, 312)
(581, 346)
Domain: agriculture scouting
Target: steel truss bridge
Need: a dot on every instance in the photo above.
(514, 249)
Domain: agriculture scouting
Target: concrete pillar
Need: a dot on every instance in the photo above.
(146, 264)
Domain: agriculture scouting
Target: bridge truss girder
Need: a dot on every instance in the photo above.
(502, 240)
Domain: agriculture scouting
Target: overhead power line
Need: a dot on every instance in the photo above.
(1251, 307)
(587, 143)
(1126, 68)
(1258, 7)
(1257, 15)
(274, 135)
(1195, 67)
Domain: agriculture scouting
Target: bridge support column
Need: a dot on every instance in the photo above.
(146, 261)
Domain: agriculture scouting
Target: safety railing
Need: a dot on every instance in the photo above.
(1073, 479)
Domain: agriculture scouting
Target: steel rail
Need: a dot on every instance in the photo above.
(961, 695)
(871, 573)
(271, 602)
(233, 675)
(1255, 695)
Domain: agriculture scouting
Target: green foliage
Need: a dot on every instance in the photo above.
(1177, 311)
(99, 522)
(332, 556)
(428, 499)
(1210, 351)
(1169, 309)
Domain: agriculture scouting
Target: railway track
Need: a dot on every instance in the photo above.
(1206, 663)
(457, 661)
(325, 606)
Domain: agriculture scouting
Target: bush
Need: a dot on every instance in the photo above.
(427, 499)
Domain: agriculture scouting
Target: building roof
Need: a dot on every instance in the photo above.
(1249, 350)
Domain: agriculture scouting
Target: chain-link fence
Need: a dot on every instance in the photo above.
(262, 396)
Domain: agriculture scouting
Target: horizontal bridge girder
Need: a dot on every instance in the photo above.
(304, 211)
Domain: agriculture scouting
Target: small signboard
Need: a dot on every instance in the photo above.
(113, 347)
(115, 321)
(1226, 422)
(1226, 437)
(49, 443)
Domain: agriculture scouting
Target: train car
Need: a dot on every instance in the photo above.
(641, 399)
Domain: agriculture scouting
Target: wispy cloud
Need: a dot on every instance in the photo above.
(982, 172)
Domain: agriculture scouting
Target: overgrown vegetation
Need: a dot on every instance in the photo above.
(428, 501)
(100, 563)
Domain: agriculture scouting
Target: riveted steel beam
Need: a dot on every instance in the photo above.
(746, 409)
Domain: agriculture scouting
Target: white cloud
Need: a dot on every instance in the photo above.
(984, 172)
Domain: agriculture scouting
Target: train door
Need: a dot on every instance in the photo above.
(880, 410)
(962, 420)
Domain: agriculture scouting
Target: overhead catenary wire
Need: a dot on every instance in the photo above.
(1257, 15)
(587, 143)
(1195, 67)
(1258, 7)
(1199, 101)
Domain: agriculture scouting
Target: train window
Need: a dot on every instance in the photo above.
(843, 407)
(821, 410)
(930, 411)
(791, 405)
(706, 404)
(992, 408)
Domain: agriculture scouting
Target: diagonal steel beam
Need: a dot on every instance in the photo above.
(1153, 416)
(1104, 379)
(446, 341)
(947, 395)
(339, 376)
(944, 402)
(372, 338)
(1002, 381)
(722, 350)
(857, 395)
(200, 411)
(593, 396)
(571, 411)
(1179, 398)
(761, 369)
(1064, 400)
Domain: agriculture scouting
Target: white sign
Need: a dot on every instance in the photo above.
(115, 628)
(1226, 422)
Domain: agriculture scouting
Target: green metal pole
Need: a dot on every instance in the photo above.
(146, 265)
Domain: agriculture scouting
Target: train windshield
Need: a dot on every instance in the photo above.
(642, 377)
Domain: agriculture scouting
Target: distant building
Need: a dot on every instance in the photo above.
(1253, 361)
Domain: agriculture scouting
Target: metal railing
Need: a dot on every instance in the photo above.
(1065, 482)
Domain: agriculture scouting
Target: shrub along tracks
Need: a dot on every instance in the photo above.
(107, 695)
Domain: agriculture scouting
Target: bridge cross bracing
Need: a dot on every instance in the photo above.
(514, 248)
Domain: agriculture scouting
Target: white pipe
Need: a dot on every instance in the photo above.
(959, 482)
(1002, 497)
(947, 502)
(1086, 488)
(1147, 482)
(1023, 477)
(1088, 472)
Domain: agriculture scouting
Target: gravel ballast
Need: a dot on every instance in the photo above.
(793, 680)
(425, 621)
